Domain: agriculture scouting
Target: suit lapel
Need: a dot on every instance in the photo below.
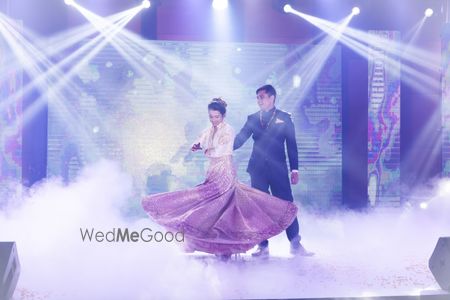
(271, 124)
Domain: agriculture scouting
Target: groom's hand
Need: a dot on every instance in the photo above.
(294, 177)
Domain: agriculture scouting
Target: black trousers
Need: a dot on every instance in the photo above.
(277, 179)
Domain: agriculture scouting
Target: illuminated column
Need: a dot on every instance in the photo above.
(446, 101)
(384, 125)
(10, 134)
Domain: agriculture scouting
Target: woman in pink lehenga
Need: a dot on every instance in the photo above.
(220, 216)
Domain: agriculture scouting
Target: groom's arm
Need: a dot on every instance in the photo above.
(243, 135)
(291, 143)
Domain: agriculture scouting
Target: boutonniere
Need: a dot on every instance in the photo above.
(278, 121)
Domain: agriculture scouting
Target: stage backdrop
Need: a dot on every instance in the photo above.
(384, 125)
(10, 123)
(147, 113)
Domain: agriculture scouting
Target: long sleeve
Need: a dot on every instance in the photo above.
(223, 145)
(243, 135)
(291, 144)
(217, 144)
(203, 138)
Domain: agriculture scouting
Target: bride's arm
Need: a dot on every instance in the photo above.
(224, 144)
(201, 141)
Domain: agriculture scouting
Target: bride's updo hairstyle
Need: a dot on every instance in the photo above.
(219, 105)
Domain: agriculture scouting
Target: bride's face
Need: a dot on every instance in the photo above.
(215, 117)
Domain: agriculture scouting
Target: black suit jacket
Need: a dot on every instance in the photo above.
(269, 143)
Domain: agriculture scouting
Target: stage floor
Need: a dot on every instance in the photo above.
(375, 253)
(327, 274)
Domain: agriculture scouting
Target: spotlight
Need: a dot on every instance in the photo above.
(69, 2)
(428, 12)
(296, 81)
(287, 8)
(146, 4)
(220, 4)
(423, 205)
(355, 11)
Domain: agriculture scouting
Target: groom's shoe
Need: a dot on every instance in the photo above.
(261, 252)
(298, 249)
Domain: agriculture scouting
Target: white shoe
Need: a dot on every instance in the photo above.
(262, 252)
(298, 249)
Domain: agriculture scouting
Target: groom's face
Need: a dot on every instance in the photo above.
(265, 101)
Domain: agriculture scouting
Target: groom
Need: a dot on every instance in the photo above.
(271, 130)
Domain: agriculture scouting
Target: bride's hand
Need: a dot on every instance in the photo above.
(196, 147)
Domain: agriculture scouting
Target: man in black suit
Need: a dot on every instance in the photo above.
(271, 130)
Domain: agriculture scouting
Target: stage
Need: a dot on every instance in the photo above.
(342, 106)
(357, 254)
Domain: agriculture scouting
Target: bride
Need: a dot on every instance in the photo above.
(221, 216)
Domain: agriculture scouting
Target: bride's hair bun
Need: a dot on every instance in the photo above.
(220, 101)
(218, 104)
